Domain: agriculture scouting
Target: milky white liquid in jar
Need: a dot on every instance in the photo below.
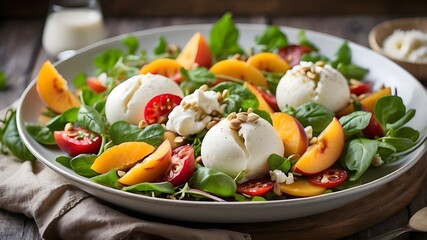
(72, 29)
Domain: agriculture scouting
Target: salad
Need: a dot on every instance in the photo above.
(213, 121)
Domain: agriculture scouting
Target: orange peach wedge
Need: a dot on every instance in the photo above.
(237, 69)
(164, 66)
(151, 168)
(263, 105)
(122, 156)
(53, 90)
(195, 52)
(324, 152)
(291, 132)
(368, 102)
(301, 188)
(268, 62)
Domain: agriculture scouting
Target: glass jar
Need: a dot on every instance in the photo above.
(72, 24)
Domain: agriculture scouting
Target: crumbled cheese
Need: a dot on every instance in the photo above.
(309, 131)
(193, 114)
(377, 161)
(280, 177)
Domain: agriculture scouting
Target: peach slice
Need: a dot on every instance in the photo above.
(122, 156)
(263, 105)
(368, 102)
(268, 62)
(164, 66)
(195, 52)
(53, 90)
(240, 70)
(153, 167)
(291, 132)
(323, 153)
(302, 188)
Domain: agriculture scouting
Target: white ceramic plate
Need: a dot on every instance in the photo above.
(382, 71)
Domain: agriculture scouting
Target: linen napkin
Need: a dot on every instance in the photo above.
(62, 211)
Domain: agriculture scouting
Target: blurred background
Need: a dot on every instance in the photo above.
(191, 8)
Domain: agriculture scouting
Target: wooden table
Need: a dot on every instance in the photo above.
(21, 55)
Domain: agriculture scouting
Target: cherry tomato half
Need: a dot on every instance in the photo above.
(257, 187)
(330, 178)
(292, 54)
(361, 88)
(269, 98)
(159, 107)
(182, 165)
(95, 85)
(374, 129)
(78, 141)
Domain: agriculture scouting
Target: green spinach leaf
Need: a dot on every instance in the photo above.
(314, 115)
(41, 134)
(122, 131)
(12, 140)
(358, 156)
(146, 188)
(58, 122)
(272, 39)
(91, 119)
(109, 179)
(213, 181)
(82, 163)
(239, 97)
(278, 162)
(355, 122)
(64, 160)
(224, 38)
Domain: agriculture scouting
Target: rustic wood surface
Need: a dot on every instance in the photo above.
(21, 55)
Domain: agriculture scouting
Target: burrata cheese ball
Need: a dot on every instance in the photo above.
(310, 82)
(246, 149)
(194, 113)
(127, 101)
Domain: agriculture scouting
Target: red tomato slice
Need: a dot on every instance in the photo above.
(182, 165)
(292, 54)
(269, 98)
(257, 187)
(159, 107)
(78, 141)
(329, 178)
(361, 88)
(95, 85)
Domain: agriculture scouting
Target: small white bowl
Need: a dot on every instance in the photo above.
(385, 29)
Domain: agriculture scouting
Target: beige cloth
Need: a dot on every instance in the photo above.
(62, 211)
